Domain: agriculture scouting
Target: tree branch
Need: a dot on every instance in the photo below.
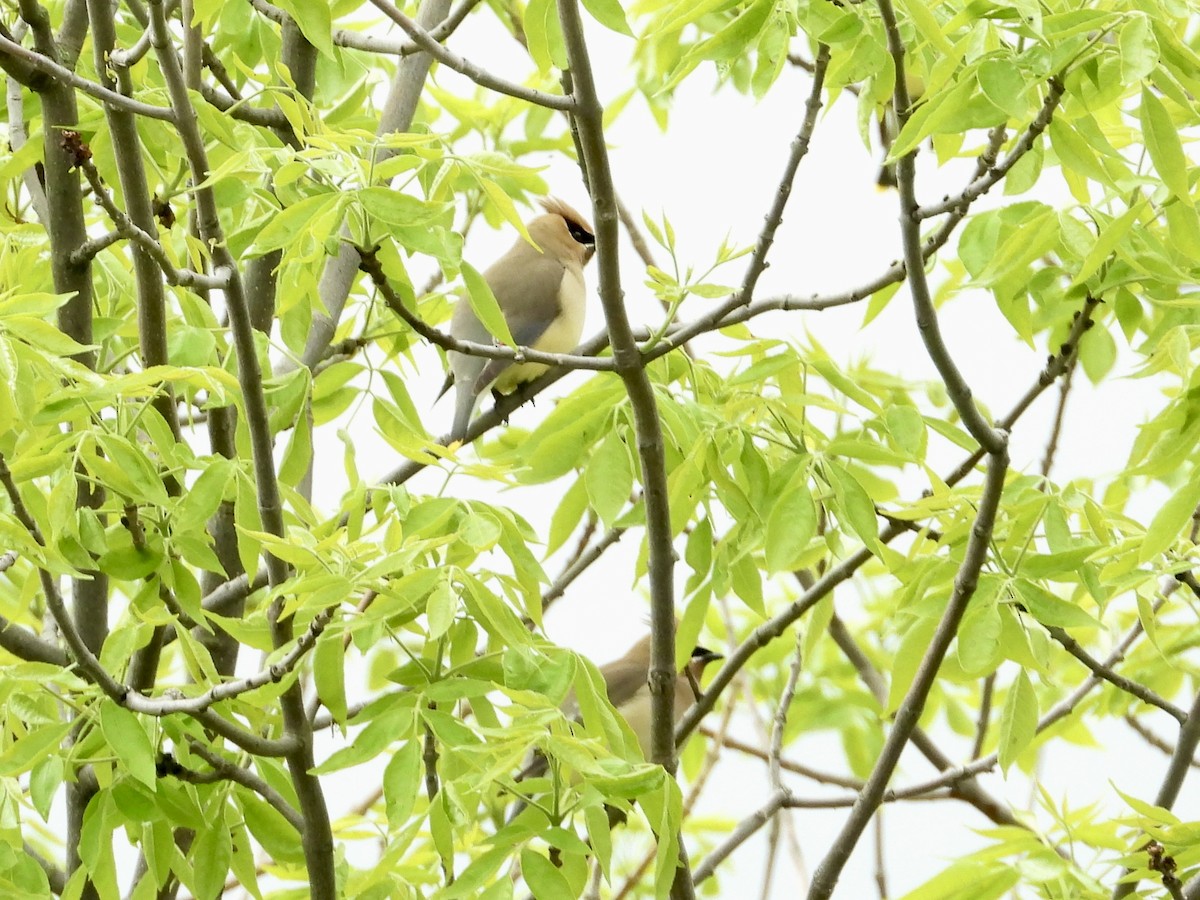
(317, 837)
(1153, 739)
(1127, 685)
(224, 770)
(375, 43)
(465, 67)
(403, 96)
(589, 120)
(826, 875)
(66, 77)
(144, 241)
(981, 184)
(990, 439)
(1172, 783)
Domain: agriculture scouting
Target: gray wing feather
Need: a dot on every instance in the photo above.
(526, 285)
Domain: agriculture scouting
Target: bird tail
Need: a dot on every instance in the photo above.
(887, 177)
(464, 405)
(446, 385)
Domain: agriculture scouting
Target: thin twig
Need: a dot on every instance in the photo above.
(788, 765)
(378, 43)
(799, 149)
(480, 76)
(967, 790)
(1056, 365)
(1127, 685)
(744, 831)
(374, 268)
(1059, 711)
(992, 440)
(1060, 410)
(981, 184)
(229, 771)
(1172, 783)
(145, 240)
(589, 119)
(982, 720)
(399, 107)
(91, 88)
(1153, 739)
(317, 838)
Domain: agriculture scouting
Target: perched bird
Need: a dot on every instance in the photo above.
(627, 682)
(889, 129)
(541, 292)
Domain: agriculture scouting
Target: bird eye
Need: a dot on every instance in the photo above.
(581, 234)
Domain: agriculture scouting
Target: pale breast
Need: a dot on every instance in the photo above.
(561, 337)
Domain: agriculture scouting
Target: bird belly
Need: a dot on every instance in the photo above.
(561, 336)
(637, 713)
(516, 375)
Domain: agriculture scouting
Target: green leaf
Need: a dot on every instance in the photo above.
(503, 202)
(907, 428)
(969, 879)
(211, 855)
(41, 334)
(937, 115)
(854, 505)
(203, 498)
(1051, 610)
(609, 14)
(1001, 82)
(401, 781)
(329, 673)
(397, 208)
(978, 640)
(747, 583)
(928, 27)
(546, 881)
(1139, 48)
(543, 32)
(484, 305)
(1170, 519)
(1110, 236)
(609, 478)
(1018, 724)
(440, 607)
(567, 515)
(791, 525)
(316, 24)
(908, 659)
(21, 756)
(1164, 145)
(270, 829)
(129, 741)
(1097, 353)
(288, 225)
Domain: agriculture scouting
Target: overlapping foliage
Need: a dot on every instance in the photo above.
(164, 687)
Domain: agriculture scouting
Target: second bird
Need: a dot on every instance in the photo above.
(540, 291)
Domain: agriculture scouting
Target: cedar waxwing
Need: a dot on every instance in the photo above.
(627, 683)
(541, 292)
(889, 128)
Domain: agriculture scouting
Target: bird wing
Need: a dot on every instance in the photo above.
(529, 297)
(528, 294)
